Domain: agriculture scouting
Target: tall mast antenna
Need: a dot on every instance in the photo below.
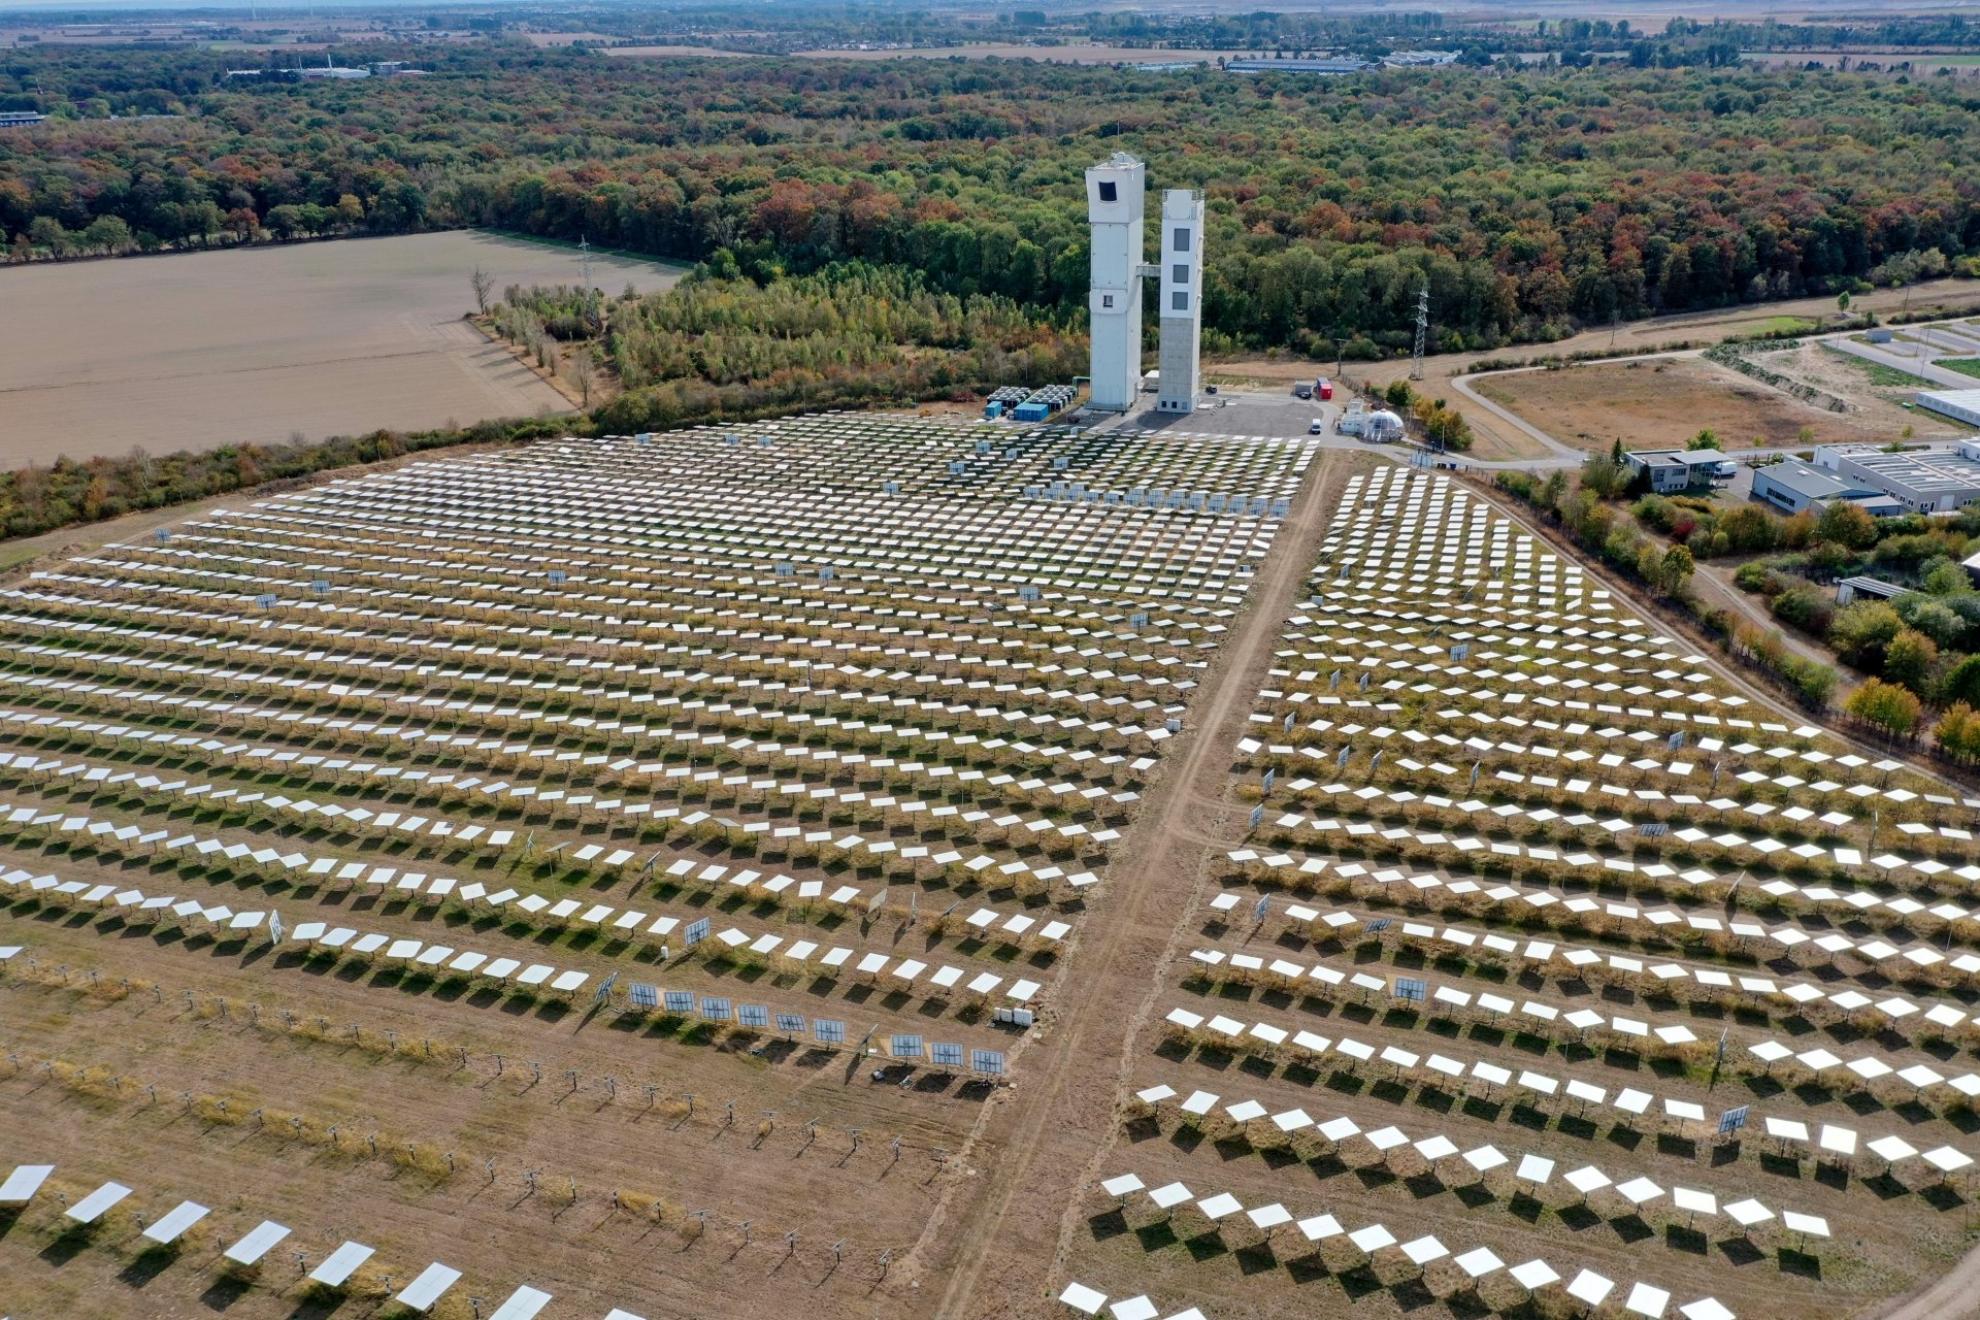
(1422, 330)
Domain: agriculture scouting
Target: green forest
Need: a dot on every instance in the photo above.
(1531, 200)
(719, 346)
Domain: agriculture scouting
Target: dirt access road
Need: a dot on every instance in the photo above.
(1001, 1232)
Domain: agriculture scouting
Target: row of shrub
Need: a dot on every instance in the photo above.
(1812, 682)
(1595, 527)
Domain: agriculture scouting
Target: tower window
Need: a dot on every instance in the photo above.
(1106, 300)
(1179, 301)
(1181, 243)
(1107, 191)
(1179, 274)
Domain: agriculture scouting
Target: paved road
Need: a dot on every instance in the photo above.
(1559, 454)
(1951, 1297)
(1898, 358)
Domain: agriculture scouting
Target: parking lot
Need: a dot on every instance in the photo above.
(1231, 413)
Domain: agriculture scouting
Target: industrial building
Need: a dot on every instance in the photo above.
(328, 71)
(1960, 405)
(1115, 211)
(1674, 471)
(1325, 66)
(1792, 485)
(1935, 480)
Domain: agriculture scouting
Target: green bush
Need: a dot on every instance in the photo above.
(1862, 630)
(1814, 683)
(1885, 707)
(1805, 607)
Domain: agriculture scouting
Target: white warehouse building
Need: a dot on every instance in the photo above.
(1934, 479)
(1115, 209)
(1960, 405)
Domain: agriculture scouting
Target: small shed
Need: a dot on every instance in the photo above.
(1867, 588)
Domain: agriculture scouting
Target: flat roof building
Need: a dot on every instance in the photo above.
(1960, 405)
(1792, 485)
(1332, 66)
(1677, 470)
(1935, 480)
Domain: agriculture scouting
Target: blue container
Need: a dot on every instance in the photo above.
(993, 410)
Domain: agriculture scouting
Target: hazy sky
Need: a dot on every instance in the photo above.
(101, 8)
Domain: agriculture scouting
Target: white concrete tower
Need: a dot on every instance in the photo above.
(1115, 197)
(1180, 252)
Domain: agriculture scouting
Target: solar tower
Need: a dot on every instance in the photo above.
(1181, 308)
(1115, 192)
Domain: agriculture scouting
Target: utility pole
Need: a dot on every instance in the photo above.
(1422, 330)
(584, 255)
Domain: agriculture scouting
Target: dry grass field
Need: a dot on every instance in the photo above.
(190, 351)
(1659, 403)
(1498, 439)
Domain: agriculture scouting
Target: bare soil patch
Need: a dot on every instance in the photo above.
(198, 350)
(669, 52)
(1662, 402)
(1854, 380)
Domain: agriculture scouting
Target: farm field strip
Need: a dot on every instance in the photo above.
(792, 754)
(249, 346)
(1545, 942)
(413, 1142)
